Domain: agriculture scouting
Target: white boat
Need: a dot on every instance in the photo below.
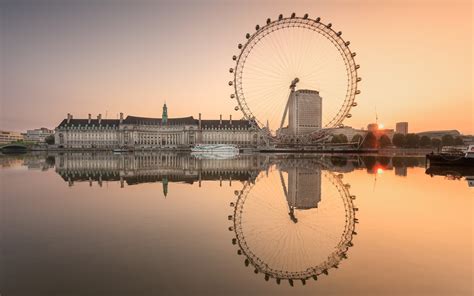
(215, 150)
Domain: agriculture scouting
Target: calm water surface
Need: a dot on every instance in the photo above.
(163, 223)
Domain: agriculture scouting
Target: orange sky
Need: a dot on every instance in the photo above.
(415, 57)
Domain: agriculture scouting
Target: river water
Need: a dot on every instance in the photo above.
(167, 223)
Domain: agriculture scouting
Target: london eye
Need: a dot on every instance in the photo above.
(293, 56)
(295, 222)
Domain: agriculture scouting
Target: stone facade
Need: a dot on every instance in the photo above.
(153, 133)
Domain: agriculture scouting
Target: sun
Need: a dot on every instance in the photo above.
(380, 126)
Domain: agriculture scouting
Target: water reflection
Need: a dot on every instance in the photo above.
(295, 221)
(292, 218)
(163, 167)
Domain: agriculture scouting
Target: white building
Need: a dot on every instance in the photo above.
(38, 135)
(7, 137)
(153, 133)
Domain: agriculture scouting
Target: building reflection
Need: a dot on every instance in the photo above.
(164, 167)
(304, 188)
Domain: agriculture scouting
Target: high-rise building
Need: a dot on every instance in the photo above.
(401, 128)
(305, 112)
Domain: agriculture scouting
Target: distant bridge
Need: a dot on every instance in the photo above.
(12, 148)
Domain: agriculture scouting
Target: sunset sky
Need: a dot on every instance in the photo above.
(80, 57)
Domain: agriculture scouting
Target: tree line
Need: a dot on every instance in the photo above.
(399, 141)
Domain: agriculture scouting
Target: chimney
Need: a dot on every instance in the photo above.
(89, 120)
(69, 117)
(121, 117)
(220, 119)
(99, 118)
(199, 120)
(230, 119)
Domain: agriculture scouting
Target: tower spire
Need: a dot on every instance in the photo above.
(164, 115)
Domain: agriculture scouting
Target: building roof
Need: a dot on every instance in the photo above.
(216, 123)
(440, 133)
(93, 122)
(157, 121)
(210, 123)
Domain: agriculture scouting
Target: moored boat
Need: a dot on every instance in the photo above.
(215, 150)
(463, 157)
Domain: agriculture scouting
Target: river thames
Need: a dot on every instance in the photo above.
(261, 224)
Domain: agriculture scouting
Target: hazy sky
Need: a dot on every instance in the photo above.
(130, 56)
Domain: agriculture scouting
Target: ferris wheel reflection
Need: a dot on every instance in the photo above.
(296, 221)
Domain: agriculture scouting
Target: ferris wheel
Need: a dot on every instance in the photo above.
(287, 239)
(294, 56)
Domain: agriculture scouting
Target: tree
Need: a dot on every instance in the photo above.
(49, 140)
(370, 141)
(412, 140)
(435, 142)
(343, 138)
(447, 140)
(425, 141)
(458, 141)
(357, 139)
(336, 139)
(384, 141)
(399, 140)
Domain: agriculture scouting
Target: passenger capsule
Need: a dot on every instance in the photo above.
(239, 46)
(231, 83)
(358, 79)
(348, 43)
(231, 70)
(293, 15)
(246, 262)
(354, 104)
(305, 16)
(231, 228)
(339, 33)
(357, 66)
(318, 19)
(236, 108)
(357, 92)
(349, 115)
(353, 54)
(257, 27)
(329, 25)
(280, 17)
(232, 96)
(234, 58)
(269, 21)
(247, 35)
